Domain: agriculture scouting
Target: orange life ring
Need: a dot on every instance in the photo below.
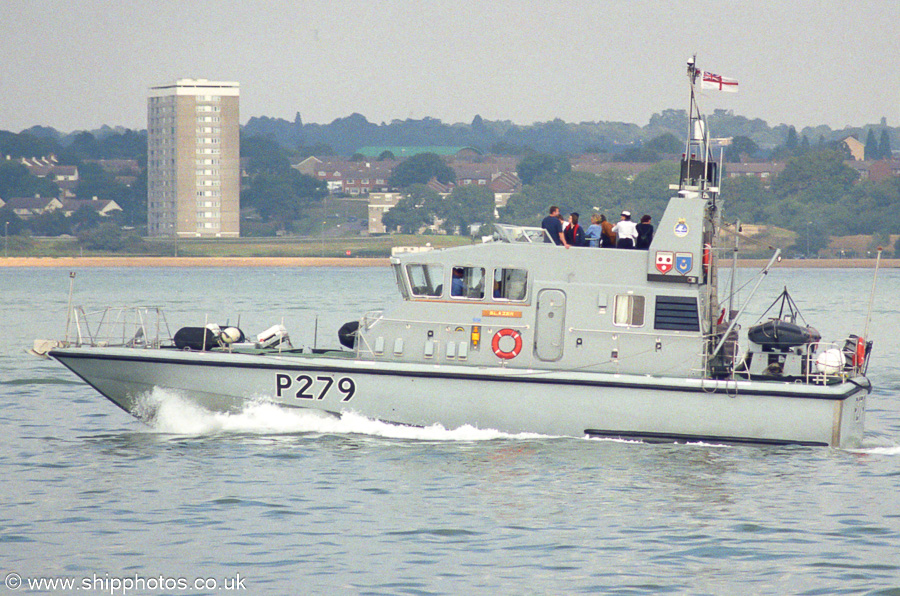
(860, 356)
(707, 256)
(495, 343)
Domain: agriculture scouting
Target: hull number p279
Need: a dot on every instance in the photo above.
(309, 387)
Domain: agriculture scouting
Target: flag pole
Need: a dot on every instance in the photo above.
(692, 78)
(872, 296)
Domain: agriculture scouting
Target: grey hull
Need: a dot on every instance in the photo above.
(510, 400)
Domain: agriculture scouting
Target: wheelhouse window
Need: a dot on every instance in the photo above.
(425, 280)
(510, 284)
(629, 310)
(467, 282)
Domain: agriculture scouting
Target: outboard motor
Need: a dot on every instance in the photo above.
(275, 335)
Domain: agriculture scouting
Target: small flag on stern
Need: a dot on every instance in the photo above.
(713, 81)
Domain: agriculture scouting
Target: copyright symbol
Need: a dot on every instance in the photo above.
(13, 581)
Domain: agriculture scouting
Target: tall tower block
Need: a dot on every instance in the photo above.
(193, 159)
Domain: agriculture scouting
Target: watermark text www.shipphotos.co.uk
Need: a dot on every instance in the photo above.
(123, 585)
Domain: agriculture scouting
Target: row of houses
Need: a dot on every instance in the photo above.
(500, 176)
(125, 171)
(369, 175)
(502, 186)
(48, 166)
(876, 171)
(28, 207)
(66, 178)
(363, 176)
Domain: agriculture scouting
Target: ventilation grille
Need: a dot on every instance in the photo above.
(676, 313)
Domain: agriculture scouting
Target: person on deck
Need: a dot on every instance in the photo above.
(644, 233)
(554, 227)
(595, 230)
(626, 231)
(608, 239)
(574, 234)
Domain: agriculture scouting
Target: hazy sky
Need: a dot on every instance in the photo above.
(77, 64)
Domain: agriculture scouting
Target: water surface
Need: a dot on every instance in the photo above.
(295, 503)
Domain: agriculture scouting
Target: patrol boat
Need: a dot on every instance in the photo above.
(520, 335)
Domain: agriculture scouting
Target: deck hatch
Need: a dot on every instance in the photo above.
(676, 313)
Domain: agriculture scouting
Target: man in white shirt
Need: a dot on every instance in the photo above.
(626, 231)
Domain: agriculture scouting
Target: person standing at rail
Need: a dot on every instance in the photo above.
(554, 227)
(626, 231)
(644, 233)
(595, 231)
(574, 233)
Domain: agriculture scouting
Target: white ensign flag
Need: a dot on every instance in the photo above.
(713, 81)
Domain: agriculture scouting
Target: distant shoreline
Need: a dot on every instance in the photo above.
(67, 262)
(191, 262)
(816, 263)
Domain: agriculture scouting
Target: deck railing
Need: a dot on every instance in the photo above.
(126, 326)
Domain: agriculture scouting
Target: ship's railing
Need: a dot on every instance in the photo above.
(817, 363)
(366, 322)
(370, 317)
(125, 326)
(842, 359)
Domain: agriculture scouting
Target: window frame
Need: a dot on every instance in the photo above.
(632, 302)
(505, 285)
(401, 280)
(467, 282)
(427, 270)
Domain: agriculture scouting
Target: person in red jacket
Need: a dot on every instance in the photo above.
(574, 233)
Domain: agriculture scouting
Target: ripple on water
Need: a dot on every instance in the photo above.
(356, 506)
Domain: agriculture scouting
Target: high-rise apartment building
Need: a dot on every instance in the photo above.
(193, 159)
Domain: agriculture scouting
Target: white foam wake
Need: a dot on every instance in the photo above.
(169, 413)
(892, 450)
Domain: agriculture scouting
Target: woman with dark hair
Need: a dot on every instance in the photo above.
(644, 233)
(574, 233)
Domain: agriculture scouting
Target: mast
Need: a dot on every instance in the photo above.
(698, 170)
(699, 178)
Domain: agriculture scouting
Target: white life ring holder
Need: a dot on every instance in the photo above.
(517, 338)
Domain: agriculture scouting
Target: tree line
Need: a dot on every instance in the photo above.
(274, 196)
(343, 136)
(817, 196)
(816, 190)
